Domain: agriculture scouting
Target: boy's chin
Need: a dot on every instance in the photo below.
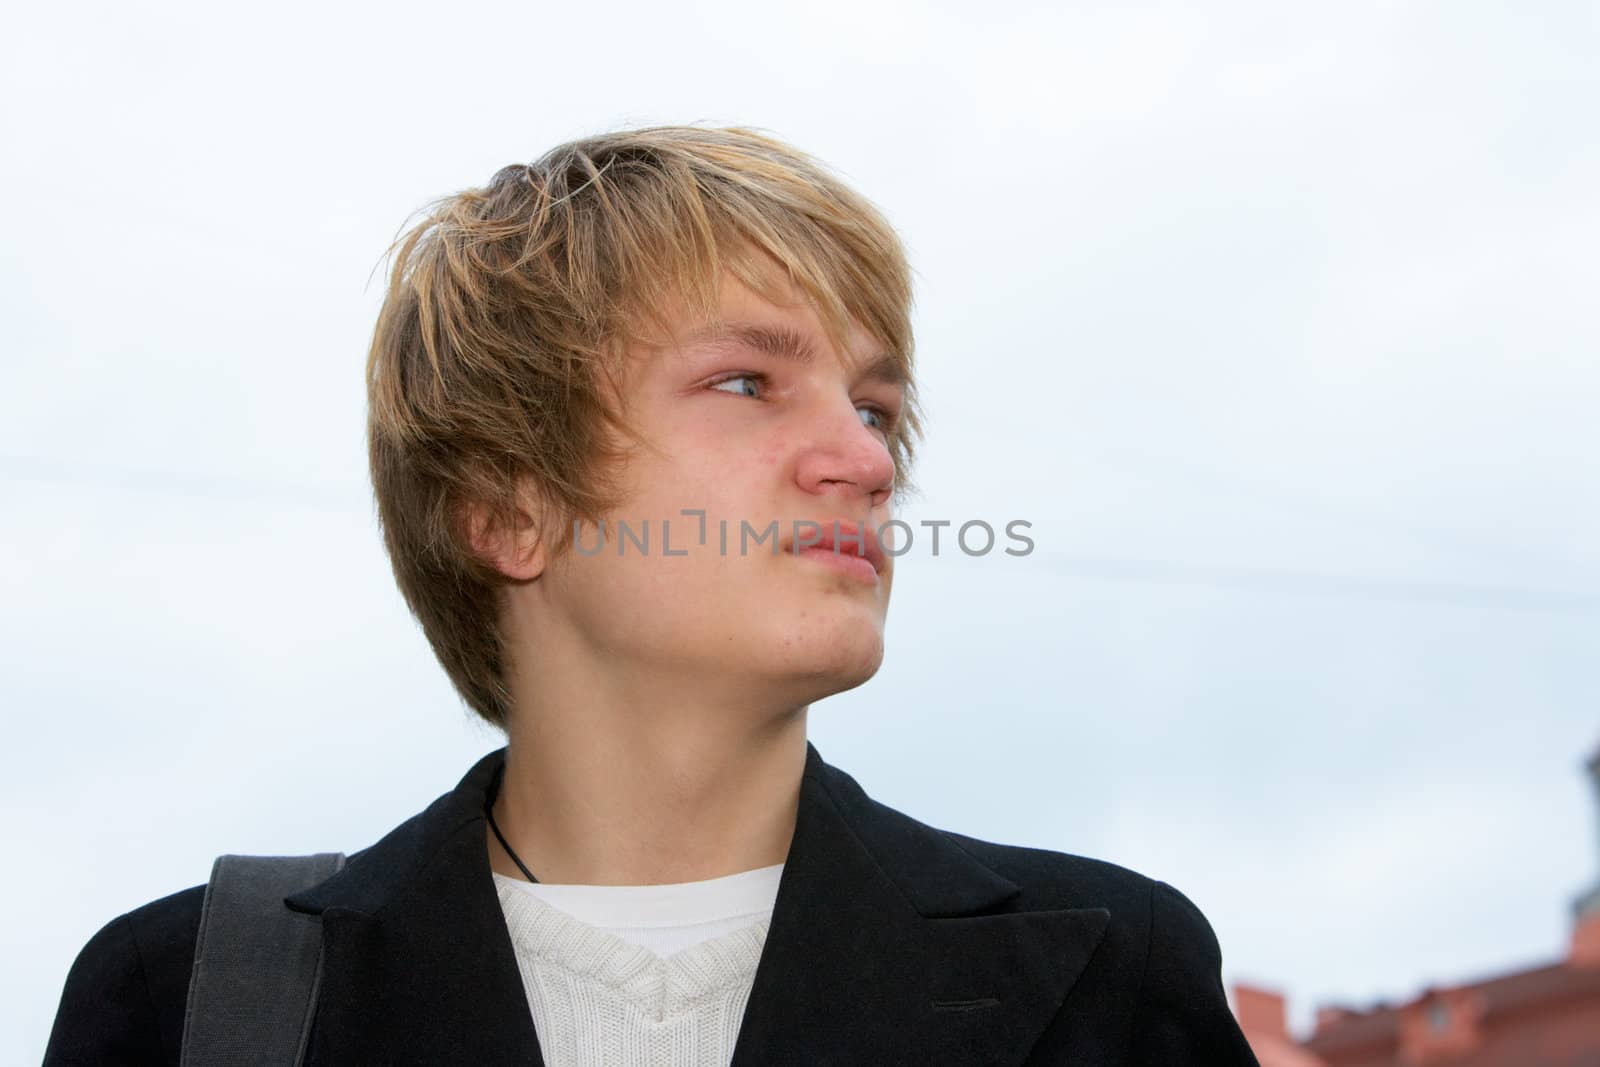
(827, 664)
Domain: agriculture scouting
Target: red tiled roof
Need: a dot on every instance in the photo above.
(1275, 1052)
(1503, 995)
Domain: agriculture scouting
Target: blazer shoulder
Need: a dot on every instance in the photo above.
(124, 997)
(1046, 879)
(1051, 879)
(1175, 935)
(1161, 942)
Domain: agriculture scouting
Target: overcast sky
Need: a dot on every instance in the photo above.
(1276, 321)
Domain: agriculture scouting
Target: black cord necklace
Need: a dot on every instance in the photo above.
(488, 811)
(500, 837)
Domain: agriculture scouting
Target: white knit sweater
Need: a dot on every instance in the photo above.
(603, 1000)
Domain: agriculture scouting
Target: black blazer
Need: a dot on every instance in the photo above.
(891, 943)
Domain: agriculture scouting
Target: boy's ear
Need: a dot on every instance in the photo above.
(515, 547)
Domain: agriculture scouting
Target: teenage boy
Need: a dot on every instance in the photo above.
(638, 413)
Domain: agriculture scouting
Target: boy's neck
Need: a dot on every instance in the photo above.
(658, 792)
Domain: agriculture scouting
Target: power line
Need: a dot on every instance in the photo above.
(1319, 583)
(1326, 584)
(176, 483)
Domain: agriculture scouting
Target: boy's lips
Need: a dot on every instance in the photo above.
(839, 537)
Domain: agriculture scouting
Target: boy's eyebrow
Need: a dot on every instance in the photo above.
(786, 343)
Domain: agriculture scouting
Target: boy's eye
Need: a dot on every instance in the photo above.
(744, 384)
(753, 385)
(874, 419)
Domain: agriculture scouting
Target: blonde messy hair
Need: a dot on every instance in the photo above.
(508, 310)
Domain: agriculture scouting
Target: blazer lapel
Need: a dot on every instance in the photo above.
(890, 944)
(417, 964)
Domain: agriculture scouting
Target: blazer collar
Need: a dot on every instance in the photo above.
(888, 943)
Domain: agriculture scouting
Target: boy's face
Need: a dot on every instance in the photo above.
(757, 422)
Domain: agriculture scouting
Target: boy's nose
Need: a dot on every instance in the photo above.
(846, 456)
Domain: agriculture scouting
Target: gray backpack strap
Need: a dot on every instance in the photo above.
(257, 964)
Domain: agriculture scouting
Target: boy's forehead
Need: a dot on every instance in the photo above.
(798, 343)
(747, 321)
